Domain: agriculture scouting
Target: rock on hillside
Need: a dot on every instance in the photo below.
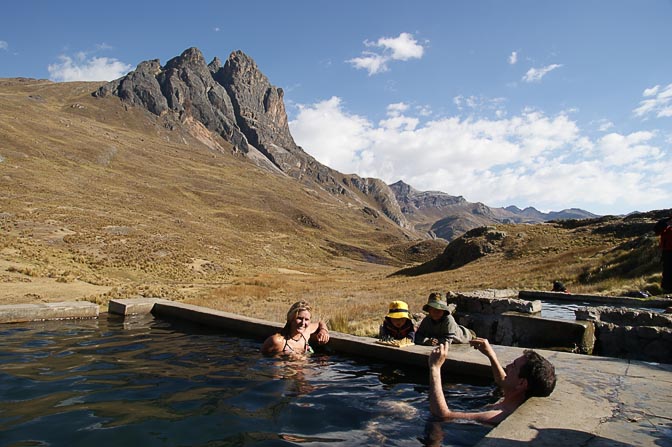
(629, 250)
(237, 102)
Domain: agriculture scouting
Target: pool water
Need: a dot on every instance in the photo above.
(146, 382)
(560, 310)
(564, 310)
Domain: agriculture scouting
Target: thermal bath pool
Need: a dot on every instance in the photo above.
(564, 310)
(147, 382)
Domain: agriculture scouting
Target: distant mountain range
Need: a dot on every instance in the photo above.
(237, 102)
(445, 216)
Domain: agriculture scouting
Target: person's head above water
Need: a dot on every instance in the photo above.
(293, 316)
(296, 308)
(298, 330)
(539, 373)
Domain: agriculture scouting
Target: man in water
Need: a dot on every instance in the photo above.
(528, 375)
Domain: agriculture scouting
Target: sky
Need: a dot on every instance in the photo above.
(550, 104)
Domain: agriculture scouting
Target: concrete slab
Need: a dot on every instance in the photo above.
(598, 401)
(19, 313)
(133, 306)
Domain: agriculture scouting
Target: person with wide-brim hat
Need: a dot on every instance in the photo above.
(439, 325)
(398, 324)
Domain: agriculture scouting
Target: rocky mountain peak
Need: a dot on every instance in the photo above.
(238, 102)
(259, 106)
(190, 56)
(184, 86)
(215, 65)
(402, 188)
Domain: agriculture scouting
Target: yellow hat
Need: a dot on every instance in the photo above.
(398, 309)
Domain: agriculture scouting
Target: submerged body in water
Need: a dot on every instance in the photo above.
(154, 383)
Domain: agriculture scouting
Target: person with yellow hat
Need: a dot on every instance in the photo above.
(397, 324)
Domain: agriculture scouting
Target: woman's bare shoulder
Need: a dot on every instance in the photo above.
(273, 344)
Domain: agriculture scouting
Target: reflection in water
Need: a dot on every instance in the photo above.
(156, 383)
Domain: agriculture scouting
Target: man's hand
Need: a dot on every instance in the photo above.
(438, 355)
(482, 345)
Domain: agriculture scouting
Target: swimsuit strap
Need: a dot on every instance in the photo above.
(306, 346)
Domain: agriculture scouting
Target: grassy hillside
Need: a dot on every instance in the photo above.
(99, 200)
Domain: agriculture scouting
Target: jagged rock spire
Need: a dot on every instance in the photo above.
(238, 102)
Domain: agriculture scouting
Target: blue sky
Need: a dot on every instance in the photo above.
(551, 104)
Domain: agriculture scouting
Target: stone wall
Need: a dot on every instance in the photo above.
(514, 322)
(631, 334)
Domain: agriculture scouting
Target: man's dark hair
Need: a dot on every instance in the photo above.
(540, 375)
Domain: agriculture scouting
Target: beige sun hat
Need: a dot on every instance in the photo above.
(436, 301)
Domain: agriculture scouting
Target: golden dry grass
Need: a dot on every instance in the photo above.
(100, 201)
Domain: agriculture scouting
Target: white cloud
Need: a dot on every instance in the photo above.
(371, 62)
(337, 142)
(619, 150)
(513, 58)
(604, 125)
(526, 159)
(403, 47)
(660, 103)
(480, 104)
(400, 48)
(3, 45)
(535, 74)
(397, 108)
(103, 46)
(651, 91)
(82, 68)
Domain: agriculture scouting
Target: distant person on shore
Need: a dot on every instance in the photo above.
(398, 324)
(558, 286)
(295, 337)
(439, 326)
(663, 228)
(527, 376)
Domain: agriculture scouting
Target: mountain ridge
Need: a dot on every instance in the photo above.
(256, 120)
(100, 199)
(237, 101)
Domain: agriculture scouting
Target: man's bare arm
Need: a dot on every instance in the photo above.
(438, 406)
(483, 345)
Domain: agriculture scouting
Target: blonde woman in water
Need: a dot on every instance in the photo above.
(298, 332)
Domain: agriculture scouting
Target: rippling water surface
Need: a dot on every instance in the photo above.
(145, 382)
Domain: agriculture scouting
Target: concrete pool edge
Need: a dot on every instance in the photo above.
(19, 313)
(598, 400)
